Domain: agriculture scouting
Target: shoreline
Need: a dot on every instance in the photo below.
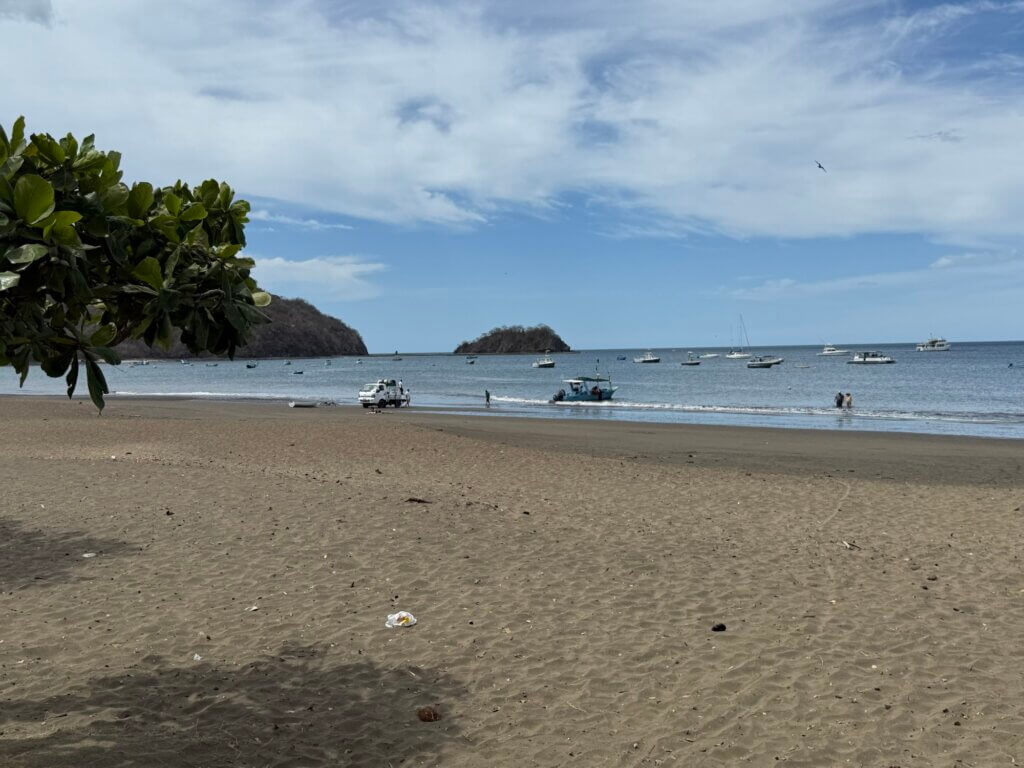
(921, 457)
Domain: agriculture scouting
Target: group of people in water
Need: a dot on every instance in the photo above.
(844, 401)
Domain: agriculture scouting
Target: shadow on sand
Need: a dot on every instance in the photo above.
(40, 557)
(298, 707)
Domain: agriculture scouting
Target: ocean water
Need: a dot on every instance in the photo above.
(975, 389)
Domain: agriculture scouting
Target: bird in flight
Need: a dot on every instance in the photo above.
(821, 166)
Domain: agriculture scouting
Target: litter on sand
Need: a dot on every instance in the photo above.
(89, 554)
(400, 619)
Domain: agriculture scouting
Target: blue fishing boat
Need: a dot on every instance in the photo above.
(585, 389)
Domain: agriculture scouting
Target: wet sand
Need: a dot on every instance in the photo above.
(566, 577)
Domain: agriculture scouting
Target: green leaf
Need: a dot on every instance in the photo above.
(59, 220)
(172, 202)
(114, 197)
(103, 335)
(10, 166)
(97, 383)
(261, 298)
(140, 199)
(33, 198)
(107, 354)
(227, 251)
(8, 280)
(48, 148)
(26, 254)
(17, 133)
(148, 271)
(72, 378)
(195, 212)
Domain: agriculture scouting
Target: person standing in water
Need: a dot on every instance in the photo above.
(487, 397)
(848, 401)
(839, 399)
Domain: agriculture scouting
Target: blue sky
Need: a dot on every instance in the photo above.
(633, 174)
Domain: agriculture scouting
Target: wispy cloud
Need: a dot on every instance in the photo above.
(705, 116)
(308, 223)
(38, 11)
(949, 270)
(326, 278)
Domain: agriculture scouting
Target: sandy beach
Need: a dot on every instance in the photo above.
(206, 584)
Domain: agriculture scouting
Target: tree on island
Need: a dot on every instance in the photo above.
(514, 339)
(87, 262)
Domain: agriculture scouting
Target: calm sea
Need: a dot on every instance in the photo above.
(975, 389)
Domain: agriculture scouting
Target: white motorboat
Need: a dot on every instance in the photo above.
(709, 355)
(691, 359)
(870, 358)
(737, 354)
(934, 345)
(544, 362)
(647, 357)
(830, 351)
(764, 361)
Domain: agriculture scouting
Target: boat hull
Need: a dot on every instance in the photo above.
(588, 397)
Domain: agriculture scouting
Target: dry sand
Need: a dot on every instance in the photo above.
(566, 577)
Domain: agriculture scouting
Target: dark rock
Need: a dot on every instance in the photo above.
(718, 628)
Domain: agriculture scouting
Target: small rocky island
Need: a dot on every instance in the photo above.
(514, 339)
(296, 329)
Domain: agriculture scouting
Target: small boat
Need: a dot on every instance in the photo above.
(709, 355)
(870, 358)
(468, 362)
(296, 373)
(934, 345)
(359, 362)
(212, 365)
(585, 389)
(691, 359)
(396, 359)
(251, 365)
(647, 357)
(471, 357)
(740, 352)
(831, 351)
(801, 365)
(287, 362)
(327, 363)
(185, 362)
(764, 361)
(621, 357)
(544, 362)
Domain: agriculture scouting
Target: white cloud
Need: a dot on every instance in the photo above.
(701, 116)
(998, 270)
(312, 224)
(38, 11)
(321, 279)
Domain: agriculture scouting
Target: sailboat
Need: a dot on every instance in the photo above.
(740, 353)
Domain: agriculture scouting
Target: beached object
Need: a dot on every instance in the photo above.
(428, 714)
(718, 627)
(302, 404)
(400, 619)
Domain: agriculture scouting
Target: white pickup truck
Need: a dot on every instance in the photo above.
(385, 392)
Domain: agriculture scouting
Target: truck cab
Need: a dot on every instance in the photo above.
(385, 392)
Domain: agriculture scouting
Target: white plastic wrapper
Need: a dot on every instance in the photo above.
(400, 619)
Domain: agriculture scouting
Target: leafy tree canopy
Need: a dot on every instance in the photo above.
(87, 262)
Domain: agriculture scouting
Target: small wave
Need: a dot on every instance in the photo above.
(757, 410)
(206, 395)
